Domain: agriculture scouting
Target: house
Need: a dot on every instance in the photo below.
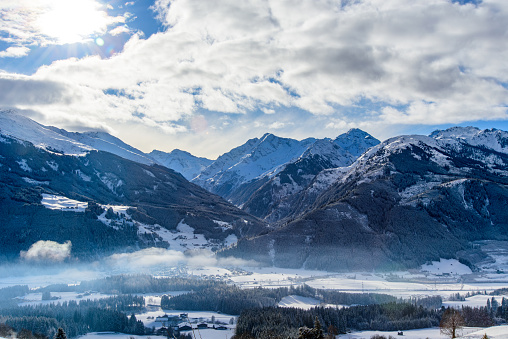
(162, 318)
(182, 328)
(168, 320)
(161, 331)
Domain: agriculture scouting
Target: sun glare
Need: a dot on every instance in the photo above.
(73, 21)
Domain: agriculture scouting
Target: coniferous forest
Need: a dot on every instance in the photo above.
(259, 316)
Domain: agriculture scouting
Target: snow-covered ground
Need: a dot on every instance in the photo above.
(58, 202)
(446, 266)
(152, 299)
(304, 303)
(297, 301)
(36, 298)
(495, 332)
(274, 276)
(194, 317)
(202, 334)
(474, 301)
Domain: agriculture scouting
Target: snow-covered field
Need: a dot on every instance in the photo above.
(297, 301)
(36, 298)
(202, 334)
(496, 332)
(446, 266)
(304, 303)
(474, 301)
(438, 278)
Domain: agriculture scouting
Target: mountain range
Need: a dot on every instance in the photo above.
(349, 203)
(129, 204)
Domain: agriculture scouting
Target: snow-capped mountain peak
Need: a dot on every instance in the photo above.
(494, 139)
(103, 141)
(22, 128)
(60, 141)
(183, 162)
(355, 141)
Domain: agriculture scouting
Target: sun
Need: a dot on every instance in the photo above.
(66, 21)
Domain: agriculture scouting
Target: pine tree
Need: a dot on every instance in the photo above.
(60, 334)
(311, 333)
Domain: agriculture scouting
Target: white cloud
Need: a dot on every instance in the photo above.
(46, 22)
(120, 30)
(425, 62)
(14, 52)
(47, 251)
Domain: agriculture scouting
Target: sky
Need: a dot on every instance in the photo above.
(206, 76)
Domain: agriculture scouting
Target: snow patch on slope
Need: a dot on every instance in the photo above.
(296, 301)
(182, 239)
(24, 166)
(35, 182)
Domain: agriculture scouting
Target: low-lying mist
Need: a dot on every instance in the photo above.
(48, 262)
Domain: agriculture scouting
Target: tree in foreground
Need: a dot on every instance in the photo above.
(60, 334)
(451, 323)
(311, 333)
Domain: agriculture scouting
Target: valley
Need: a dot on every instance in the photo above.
(340, 229)
(445, 279)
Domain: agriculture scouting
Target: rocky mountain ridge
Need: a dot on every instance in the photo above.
(406, 201)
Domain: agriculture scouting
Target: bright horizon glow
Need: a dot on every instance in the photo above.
(73, 21)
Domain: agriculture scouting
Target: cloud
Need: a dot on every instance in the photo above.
(48, 250)
(25, 91)
(47, 22)
(14, 52)
(430, 62)
(120, 30)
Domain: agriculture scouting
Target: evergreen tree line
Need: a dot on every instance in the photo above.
(135, 283)
(285, 322)
(231, 299)
(498, 310)
(7, 295)
(78, 318)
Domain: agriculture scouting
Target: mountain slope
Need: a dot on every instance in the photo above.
(406, 201)
(276, 199)
(254, 159)
(63, 142)
(262, 172)
(22, 128)
(102, 141)
(124, 204)
(182, 162)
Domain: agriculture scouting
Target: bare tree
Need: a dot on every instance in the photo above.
(451, 323)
